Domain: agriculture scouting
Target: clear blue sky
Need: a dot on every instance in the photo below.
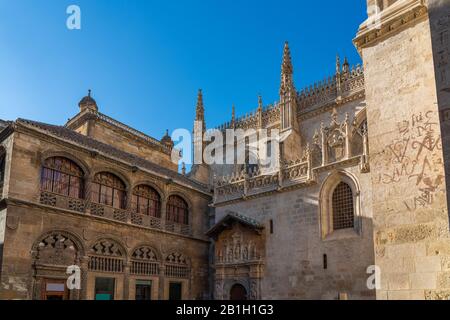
(145, 59)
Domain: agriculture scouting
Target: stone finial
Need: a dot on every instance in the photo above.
(287, 67)
(167, 140)
(233, 115)
(345, 66)
(200, 110)
(183, 169)
(338, 64)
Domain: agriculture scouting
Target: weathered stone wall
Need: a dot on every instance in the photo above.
(294, 252)
(27, 220)
(106, 134)
(409, 191)
(26, 224)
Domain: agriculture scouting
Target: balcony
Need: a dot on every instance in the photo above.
(244, 185)
(110, 213)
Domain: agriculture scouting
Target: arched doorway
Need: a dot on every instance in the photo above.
(238, 292)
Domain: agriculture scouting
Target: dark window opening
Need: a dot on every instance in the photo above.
(271, 226)
(177, 210)
(62, 176)
(104, 288)
(109, 190)
(143, 290)
(325, 261)
(175, 291)
(145, 200)
(343, 209)
(2, 167)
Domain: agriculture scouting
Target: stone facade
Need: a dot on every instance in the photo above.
(360, 181)
(44, 232)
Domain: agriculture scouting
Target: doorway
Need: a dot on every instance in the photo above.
(175, 291)
(54, 290)
(104, 288)
(143, 290)
(238, 293)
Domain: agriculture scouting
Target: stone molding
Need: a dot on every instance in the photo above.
(399, 15)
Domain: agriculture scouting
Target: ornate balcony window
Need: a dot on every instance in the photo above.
(146, 201)
(177, 210)
(108, 189)
(62, 176)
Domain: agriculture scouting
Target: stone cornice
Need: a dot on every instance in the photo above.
(391, 20)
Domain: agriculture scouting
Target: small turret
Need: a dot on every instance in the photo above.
(88, 103)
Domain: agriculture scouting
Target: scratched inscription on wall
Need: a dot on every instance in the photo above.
(414, 159)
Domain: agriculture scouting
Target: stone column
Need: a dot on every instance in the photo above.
(163, 212)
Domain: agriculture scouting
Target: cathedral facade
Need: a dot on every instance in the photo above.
(354, 207)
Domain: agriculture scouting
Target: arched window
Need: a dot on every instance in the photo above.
(2, 166)
(145, 200)
(62, 176)
(109, 190)
(340, 207)
(343, 208)
(177, 210)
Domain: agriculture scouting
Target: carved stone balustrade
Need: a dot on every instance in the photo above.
(178, 228)
(245, 186)
(110, 213)
(59, 201)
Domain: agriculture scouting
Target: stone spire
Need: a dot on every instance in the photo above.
(200, 110)
(338, 64)
(345, 66)
(287, 71)
(288, 94)
(260, 111)
(199, 129)
(233, 116)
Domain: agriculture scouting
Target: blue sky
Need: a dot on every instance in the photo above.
(145, 60)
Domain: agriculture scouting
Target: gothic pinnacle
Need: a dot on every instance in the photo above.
(200, 109)
(287, 62)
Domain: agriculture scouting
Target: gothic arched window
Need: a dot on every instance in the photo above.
(343, 208)
(109, 190)
(145, 200)
(62, 176)
(177, 210)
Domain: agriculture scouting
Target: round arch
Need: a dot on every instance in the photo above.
(64, 154)
(150, 184)
(112, 239)
(97, 170)
(159, 256)
(74, 238)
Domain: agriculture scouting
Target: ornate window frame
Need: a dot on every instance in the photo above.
(326, 207)
(58, 166)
